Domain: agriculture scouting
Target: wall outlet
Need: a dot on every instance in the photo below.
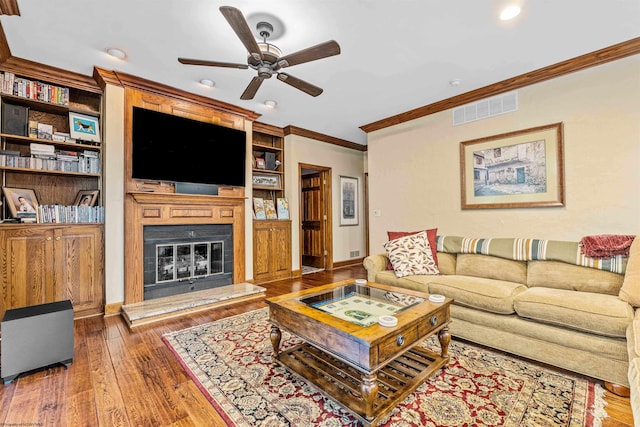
(354, 254)
(377, 212)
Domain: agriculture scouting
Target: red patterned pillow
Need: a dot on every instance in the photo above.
(432, 234)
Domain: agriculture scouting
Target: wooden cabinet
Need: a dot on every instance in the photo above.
(271, 237)
(44, 263)
(271, 250)
(58, 254)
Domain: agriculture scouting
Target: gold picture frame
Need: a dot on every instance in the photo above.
(520, 169)
(22, 203)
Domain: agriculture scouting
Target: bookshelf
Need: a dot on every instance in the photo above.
(271, 237)
(59, 254)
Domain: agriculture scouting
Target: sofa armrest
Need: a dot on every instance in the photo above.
(374, 264)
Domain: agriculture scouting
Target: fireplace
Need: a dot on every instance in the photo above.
(185, 258)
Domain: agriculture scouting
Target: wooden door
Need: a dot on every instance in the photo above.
(313, 220)
(79, 273)
(27, 261)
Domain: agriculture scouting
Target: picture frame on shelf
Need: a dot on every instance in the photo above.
(348, 201)
(266, 180)
(83, 127)
(86, 198)
(520, 169)
(22, 203)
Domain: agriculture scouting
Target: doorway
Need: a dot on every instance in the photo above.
(316, 251)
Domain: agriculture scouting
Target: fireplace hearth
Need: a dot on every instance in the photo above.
(185, 258)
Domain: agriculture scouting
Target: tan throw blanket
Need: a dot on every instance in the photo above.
(606, 245)
(529, 250)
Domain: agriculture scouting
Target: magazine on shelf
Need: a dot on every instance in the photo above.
(283, 208)
(270, 209)
(258, 208)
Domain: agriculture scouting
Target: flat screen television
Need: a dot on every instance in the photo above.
(172, 148)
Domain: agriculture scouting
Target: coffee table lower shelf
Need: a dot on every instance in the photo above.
(343, 383)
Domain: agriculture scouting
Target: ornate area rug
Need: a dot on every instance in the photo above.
(231, 361)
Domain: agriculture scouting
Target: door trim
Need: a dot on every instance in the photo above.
(328, 238)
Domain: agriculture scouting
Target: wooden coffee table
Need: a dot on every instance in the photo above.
(366, 369)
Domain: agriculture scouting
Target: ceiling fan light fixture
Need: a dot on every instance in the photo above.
(271, 104)
(117, 53)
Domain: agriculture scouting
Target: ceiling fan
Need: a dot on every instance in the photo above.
(266, 58)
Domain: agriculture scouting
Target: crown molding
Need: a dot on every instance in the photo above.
(128, 81)
(602, 56)
(294, 130)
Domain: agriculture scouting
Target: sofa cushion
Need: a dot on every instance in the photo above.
(491, 267)
(560, 275)
(630, 291)
(415, 282)
(585, 311)
(495, 296)
(446, 263)
(411, 255)
(432, 236)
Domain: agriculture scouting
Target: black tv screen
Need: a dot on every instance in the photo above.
(172, 148)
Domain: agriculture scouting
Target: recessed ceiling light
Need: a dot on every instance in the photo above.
(455, 82)
(207, 82)
(270, 103)
(117, 53)
(510, 12)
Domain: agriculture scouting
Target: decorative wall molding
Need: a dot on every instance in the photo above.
(294, 130)
(602, 56)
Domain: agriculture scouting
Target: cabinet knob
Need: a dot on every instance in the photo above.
(433, 320)
(400, 339)
(58, 238)
(48, 238)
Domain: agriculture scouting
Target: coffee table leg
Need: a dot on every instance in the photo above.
(445, 338)
(275, 336)
(369, 393)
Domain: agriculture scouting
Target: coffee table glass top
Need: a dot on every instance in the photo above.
(362, 305)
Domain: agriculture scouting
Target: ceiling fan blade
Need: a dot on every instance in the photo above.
(253, 87)
(235, 18)
(319, 51)
(300, 84)
(188, 61)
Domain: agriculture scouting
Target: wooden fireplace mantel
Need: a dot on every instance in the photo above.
(149, 208)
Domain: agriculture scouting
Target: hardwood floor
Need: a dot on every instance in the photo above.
(123, 377)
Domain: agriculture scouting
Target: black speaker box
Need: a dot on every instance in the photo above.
(15, 119)
(36, 336)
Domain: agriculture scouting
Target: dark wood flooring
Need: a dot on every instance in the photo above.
(122, 377)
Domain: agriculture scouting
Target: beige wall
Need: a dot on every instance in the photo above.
(414, 171)
(342, 161)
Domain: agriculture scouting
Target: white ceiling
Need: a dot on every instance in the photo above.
(396, 55)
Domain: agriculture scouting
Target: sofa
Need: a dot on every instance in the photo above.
(539, 299)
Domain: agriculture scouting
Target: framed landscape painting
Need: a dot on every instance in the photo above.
(520, 169)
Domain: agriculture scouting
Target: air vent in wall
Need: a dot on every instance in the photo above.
(501, 104)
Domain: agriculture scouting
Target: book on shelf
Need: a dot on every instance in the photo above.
(70, 214)
(282, 207)
(270, 209)
(32, 89)
(27, 217)
(45, 131)
(258, 208)
(33, 129)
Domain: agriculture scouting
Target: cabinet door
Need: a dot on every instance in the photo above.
(281, 249)
(262, 253)
(79, 272)
(27, 276)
